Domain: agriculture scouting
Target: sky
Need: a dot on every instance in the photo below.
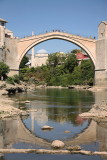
(80, 17)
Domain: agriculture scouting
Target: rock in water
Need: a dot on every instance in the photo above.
(74, 148)
(27, 101)
(56, 144)
(66, 131)
(47, 128)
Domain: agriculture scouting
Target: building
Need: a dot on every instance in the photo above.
(38, 59)
(41, 58)
(81, 56)
(4, 33)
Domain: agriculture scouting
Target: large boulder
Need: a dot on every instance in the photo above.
(56, 144)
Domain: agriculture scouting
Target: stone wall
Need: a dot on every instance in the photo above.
(1, 55)
(11, 55)
(101, 56)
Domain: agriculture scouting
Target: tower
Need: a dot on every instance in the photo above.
(101, 55)
(2, 32)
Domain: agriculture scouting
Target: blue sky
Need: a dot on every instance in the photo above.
(80, 17)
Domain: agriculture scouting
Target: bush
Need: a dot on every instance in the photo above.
(4, 69)
(14, 79)
(10, 80)
(24, 61)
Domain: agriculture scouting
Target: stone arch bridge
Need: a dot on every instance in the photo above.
(25, 44)
(15, 49)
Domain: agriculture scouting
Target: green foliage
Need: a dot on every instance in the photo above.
(14, 79)
(56, 59)
(71, 62)
(61, 70)
(10, 80)
(24, 61)
(87, 69)
(4, 69)
(76, 77)
(76, 51)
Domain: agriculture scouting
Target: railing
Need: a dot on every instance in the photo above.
(56, 30)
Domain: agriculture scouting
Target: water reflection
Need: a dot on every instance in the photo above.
(11, 136)
(11, 133)
(60, 109)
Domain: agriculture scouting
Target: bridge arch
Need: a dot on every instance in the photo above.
(85, 43)
(87, 136)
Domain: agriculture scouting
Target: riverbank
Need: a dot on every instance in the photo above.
(78, 87)
(7, 108)
(6, 104)
(97, 111)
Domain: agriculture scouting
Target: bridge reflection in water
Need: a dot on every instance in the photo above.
(14, 131)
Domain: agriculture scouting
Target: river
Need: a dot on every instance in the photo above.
(59, 108)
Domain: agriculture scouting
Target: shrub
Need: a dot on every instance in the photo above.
(14, 79)
(10, 80)
(4, 69)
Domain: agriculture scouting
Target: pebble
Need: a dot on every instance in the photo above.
(66, 131)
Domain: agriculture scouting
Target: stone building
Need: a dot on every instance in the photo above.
(39, 59)
(4, 33)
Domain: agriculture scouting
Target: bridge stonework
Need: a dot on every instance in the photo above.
(87, 44)
(101, 56)
(15, 49)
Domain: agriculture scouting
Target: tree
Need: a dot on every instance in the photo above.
(4, 69)
(76, 51)
(71, 62)
(76, 76)
(24, 61)
(55, 59)
(87, 69)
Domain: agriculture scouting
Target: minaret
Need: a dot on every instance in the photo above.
(32, 121)
(33, 55)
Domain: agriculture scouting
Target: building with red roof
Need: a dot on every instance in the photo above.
(81, 56)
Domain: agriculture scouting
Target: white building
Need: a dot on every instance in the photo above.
(39, 59)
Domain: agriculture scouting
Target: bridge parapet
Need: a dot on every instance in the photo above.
(57, 33)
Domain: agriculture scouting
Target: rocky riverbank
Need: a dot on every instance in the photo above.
(7, 109)
(6, 104)
(97, 111)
